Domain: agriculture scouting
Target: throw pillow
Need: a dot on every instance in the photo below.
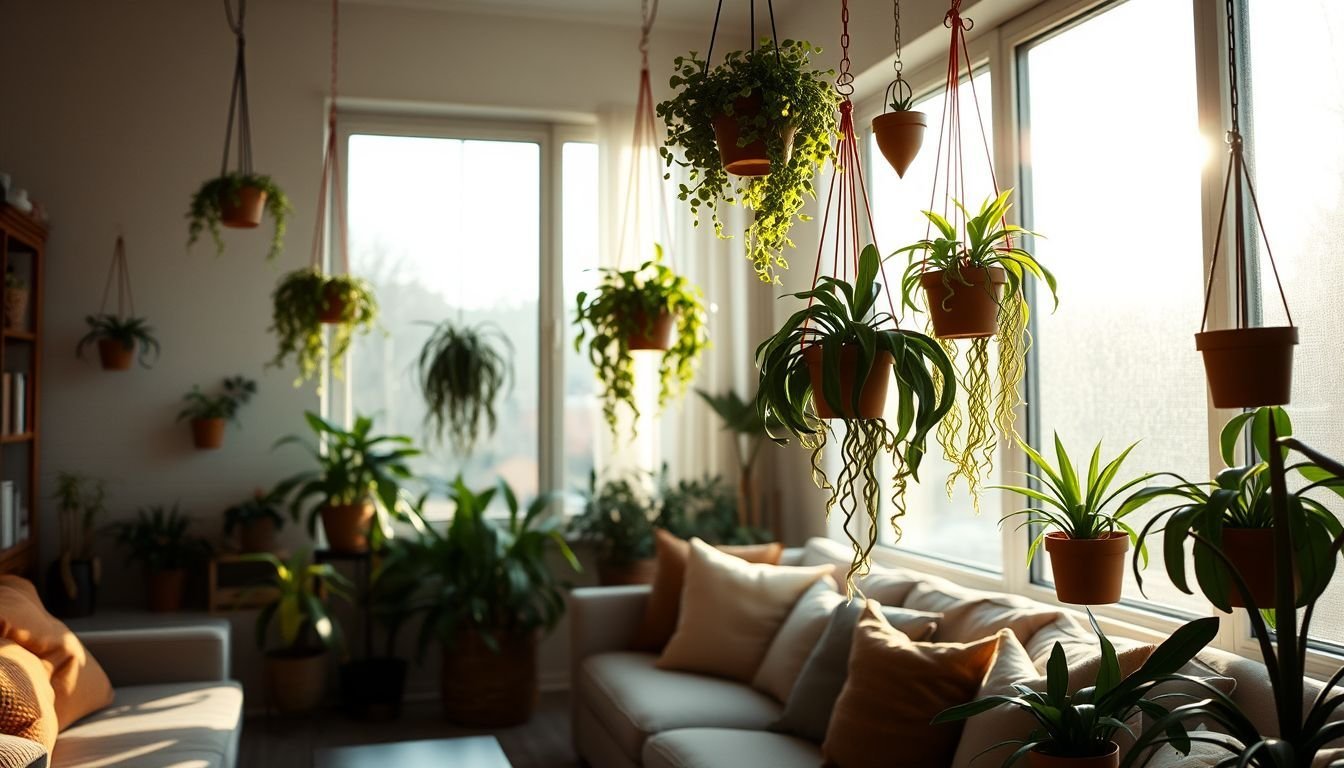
(895, 688)
(730, 611)
(969, 615)
(664, 603)
(796, 638)
(80, 685)
(1202, 753)
(27, 703)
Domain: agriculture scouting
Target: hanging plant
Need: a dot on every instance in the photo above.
(462, 371)
(649, 308)
(900, 131)
(305, 300)
(210, 414)
(119, 334)
(763, 114)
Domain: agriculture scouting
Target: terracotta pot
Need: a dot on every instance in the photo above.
(114, 355)
(964, 310)
(16, 308)
(207, 434)
(166, 588)
(873, 398)
(658, 334)
(333, 308)
(1087, 571)
(1110, 759)
(753, 159)
(347, 526)
(637, 572)
(257, 535)
(296, 680)
(484, 688)
(244, 211)
(1249, 367)
(1251, 551)
(899, 136)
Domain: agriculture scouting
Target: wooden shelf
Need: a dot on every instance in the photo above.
(23, 250)
(17, 558)
(23, 437)
(27, 336)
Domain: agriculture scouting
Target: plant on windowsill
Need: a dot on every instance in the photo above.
(307, 299)
(256, 521)
(618, 521)
(157, 539)
(743, 419)
(210, 413)
(975, 290)
(72, 580)
(462, 371)
(117, 339)
(764, 116)
(356, 489)
(1088, 543)
(238, 200)
(833, 359)
(648, 308)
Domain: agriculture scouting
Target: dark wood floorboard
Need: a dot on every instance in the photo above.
(276, 742)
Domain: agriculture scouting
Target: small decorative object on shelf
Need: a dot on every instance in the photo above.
(209, 414)
(899, 132)
(16, 301)
(119, 335)
(157, 539)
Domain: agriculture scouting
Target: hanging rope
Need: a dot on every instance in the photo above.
(238, 98)
(898, 90)
(644, 146)
(774, 30)
(331, 186)
(119, 271)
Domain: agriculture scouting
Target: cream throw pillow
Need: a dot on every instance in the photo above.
(796, 638)
(730, 611)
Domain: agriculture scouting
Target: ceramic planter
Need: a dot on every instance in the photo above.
(656, 335)
(486, 688)
(752, 159)
(207, 434)
(899, 136)
(115, 356)
(1249, 367)
(257, 535)
(244, 211)
(166, 588)
(637, 572)
(1087, 571)
(296, 680)
(16, 308)
(967, 308)
(1251, 551)
(872, 399)
(347, 526)
(1110, 759)
(333, 310)
(372, 689)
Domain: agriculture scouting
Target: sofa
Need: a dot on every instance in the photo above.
(174, 704)
(626, 712)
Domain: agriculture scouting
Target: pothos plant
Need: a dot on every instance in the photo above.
(626, 303)
(841, 318)
(798, 105)
(970, 433)
(207, 208)
(462, 371)
(304, 301)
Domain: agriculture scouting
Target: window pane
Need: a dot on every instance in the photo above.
(582, 415)
(1120, 212)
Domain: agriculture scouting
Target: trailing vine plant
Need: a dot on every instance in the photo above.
(462, 371)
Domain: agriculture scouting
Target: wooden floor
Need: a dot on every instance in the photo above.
(275, 742)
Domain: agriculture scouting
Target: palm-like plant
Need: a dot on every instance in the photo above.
(742, 418)
(462, 371)
(299, 608)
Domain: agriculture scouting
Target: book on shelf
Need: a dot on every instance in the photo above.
(8, 519)
(20, 397)
(6, 404)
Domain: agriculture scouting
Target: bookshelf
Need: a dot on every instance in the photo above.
(22, 253)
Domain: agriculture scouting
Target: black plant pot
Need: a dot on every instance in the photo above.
(372, 689)
(85, 598)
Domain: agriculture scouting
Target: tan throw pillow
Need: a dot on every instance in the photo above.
(796, 638)
(730, 611)
(27, 703)
(80, 685)
(664, 603)
(895, 688)
(969, 615)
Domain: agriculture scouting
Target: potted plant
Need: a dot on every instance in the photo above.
(256, 520)
(210, 413)
(487, 592)
(633, 310)
(304, 301)
(462, 371)
(117, 338)
(16, 300)
(900, 132)
(296, 669)
(157, 539)
(705, 508)
(1077, 729)
(763, 115)
(72, 580)
(618, 521)
(1086, 541)
(833, 359)
(356, 486)
(238, 200)
(743, 419)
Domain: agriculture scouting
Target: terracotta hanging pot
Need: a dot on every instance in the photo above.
(244, 210)
(1109, 759)
(347, 526)
(257, 535)
(899, 136)
(1087, 571)
(655, 335)
(487, 688)
(752, 159)
(16, 308)
(115, 356)
(333, 307)
(636, 572)
(166, 588)
(1249, 367)
(967, 308)
(207, 434)
(1251, 551)
(296, 679)
(873, 397)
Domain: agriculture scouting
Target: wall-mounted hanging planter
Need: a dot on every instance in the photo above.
(209, 415)
(964, 302)
(119, 336)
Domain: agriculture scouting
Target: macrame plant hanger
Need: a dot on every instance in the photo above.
(1246, 367)
(243, 213)
(900, 131)
(644, 151)
(330, 187)
(119, 272)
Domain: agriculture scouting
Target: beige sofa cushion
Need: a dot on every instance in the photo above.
(21, 753)
(719, 747)
(796, 638)
(178, 724)
(970, 615)
(634, 699)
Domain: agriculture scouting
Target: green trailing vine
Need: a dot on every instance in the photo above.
(462, 371)
(300, 300)
(207, 208)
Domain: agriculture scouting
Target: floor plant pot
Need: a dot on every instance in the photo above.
(1249, 367)
(347, 526)
(1111, 759)
(372, 689)
(295, 680)
(873, 398)
(257, 535)
(333, 311)
(76, 596)
(752, 159)
(899, 136)
(1251, 551)
(115, 356)
(625, 574)
(244, 210)
(658, 334)
(16, 308)
(207, 434)
(967, 308)
(485, 688)
(1088, 571)
(166, 588)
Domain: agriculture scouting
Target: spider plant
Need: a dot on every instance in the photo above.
(120, 337)
(462, 371)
